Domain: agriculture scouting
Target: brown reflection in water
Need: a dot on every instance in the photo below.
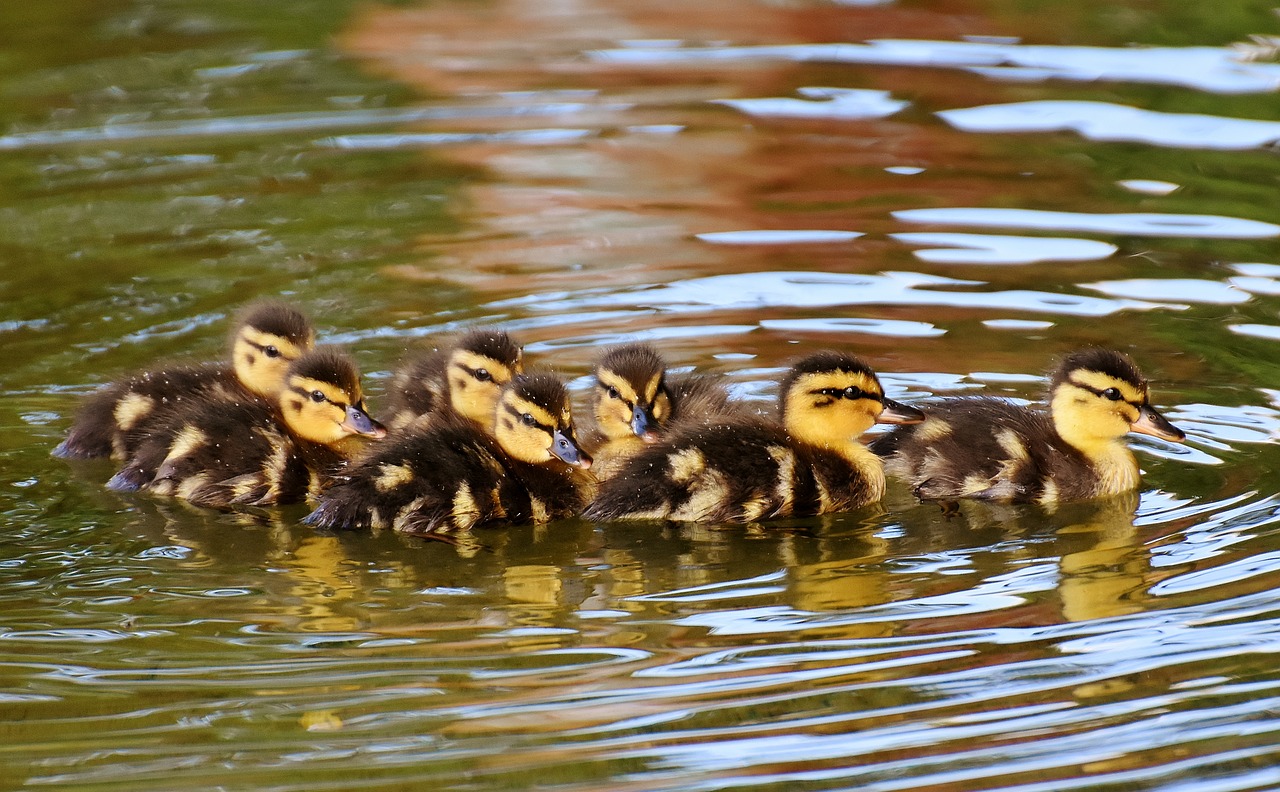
(623, 207)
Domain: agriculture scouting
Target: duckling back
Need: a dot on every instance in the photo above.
(267, 336)
(246, 450)
(445, 478)
(219, 452)
(744, 469)
(111, 417)
(451, 474)
(738, 470)
(988, 449)
(992, 449)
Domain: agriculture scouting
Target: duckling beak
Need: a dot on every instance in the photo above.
(359, 422)
(566, 450)
(899, 413)
(1153, 423)
(644, 424)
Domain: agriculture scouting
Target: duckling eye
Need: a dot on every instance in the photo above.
(613, 393)
(270, 351)
(483, 375)
(852, 393)
(317, 396)
(528, 419)
(1112, 393)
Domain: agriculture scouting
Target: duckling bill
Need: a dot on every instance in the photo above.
(991, 449)
(744, 469)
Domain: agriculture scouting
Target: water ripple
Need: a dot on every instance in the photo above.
(1125, 224)
(1217, 69)
(823, 289)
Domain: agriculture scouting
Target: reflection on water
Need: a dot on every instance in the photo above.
(597, 172)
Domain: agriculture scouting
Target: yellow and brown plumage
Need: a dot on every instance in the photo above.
(453, 475)
(267, 337)
(219, 452)
(993, 449)
(744, 469)
(634, 402)
(462, 378)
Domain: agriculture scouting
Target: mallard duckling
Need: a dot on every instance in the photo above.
(992, 449)
(634, 402)
(218, 452)
(268, 336)
(745, 469)
(463, 378)
(453, 475)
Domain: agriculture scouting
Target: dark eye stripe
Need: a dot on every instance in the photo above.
(1099, 391)
(839, 393)
(519, 416)
(306, 394)
(263, 348)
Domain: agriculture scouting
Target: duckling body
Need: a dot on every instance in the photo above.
(635, 402)
(267, 337)
(993, 449)
(463, 378)
(453, 475)
(745, 469)
(221, 452)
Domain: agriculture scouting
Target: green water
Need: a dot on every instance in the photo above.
(402, 170)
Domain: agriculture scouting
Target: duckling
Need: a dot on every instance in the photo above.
(992, 449)
(744, 469)
(453, 475)
(463, 378)
(268, 336)
(634, 402)
(219, 452)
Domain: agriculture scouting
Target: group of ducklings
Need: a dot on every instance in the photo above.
(470, 438)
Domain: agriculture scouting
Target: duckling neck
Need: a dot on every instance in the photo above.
(1108, 456)
(862, 462)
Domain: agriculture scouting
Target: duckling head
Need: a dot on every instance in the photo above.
(830, 399)
(1096, 396)
(479, 365)
(533, 422)
(630, 397)
(322, 400)
(268, 336)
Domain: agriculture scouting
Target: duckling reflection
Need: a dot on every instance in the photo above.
(1110, 574)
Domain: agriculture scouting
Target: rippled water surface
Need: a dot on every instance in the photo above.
(957, 191)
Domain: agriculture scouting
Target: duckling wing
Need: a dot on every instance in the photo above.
(699, 398)
(982, 448)
(729, 471)
(111, 420)
(429, 480)
(417, 389)
(217, 453)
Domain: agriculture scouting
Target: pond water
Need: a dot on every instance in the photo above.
(958, 191)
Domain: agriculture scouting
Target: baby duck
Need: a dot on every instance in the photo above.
(454, 475)
(463, 378)
(992, 449)
(634, 402)
(744, 469)
(268, 336)
(219, 452)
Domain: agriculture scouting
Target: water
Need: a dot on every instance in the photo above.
(955, 193)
